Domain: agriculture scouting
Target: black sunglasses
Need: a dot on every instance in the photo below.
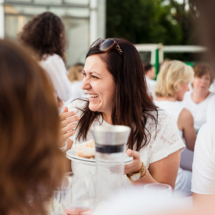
(105, 45)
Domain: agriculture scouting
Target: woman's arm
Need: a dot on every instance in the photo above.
(162, 171)
(186, 124)
(202, 198)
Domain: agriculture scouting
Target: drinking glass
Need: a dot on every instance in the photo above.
(79, 198)
(67, 180)
(158, 189)
(56, 203)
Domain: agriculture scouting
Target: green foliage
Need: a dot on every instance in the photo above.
(149, 21)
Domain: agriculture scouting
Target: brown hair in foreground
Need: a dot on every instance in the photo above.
(31, 164)
(44, 34)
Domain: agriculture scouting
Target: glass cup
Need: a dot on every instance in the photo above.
(56, 203)
(67, 180)
(158, 189)
(62, 195)
(78, 197)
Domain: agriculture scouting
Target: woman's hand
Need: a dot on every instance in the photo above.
(135, 165)
(66, 118)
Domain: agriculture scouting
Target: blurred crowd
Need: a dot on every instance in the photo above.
(46, 109)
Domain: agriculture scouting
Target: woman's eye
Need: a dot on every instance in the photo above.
(94, 77)
(83, 73)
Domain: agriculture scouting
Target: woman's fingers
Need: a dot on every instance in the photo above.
(67, 114)
(65, 109)
(67, 135)
(69, 121)
(68, 128)
(134, 154)
(135, 165)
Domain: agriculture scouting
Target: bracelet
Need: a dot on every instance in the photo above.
(143, 174)
(137, 175)
(63, 149)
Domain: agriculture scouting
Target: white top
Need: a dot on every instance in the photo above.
(183, 181)
(55, 67)
(212, 87)
(202, 112)
(203, 179)
(151, 84)
(172, 108)
(164, 141)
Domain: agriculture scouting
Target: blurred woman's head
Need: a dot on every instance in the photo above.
(116, 86)
(149, 71)
(173, 80)
(75, 72)
(44, 34)
(203, 77)
(30, 160)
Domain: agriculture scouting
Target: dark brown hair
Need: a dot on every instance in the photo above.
(147, 67)
(45, 34)
(132, 106)
(31, 164)
(201, 69)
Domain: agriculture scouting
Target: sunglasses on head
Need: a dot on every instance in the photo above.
(105, 45)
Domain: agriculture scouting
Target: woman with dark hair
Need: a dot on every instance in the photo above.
(45, 36)
(150, 75)
(200, 101)
(113, 78)
(31, 164)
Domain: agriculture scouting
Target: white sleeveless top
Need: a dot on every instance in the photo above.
(183, 181)
(202, 112)
(173, 109)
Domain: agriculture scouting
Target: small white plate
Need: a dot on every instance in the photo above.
(72, 156)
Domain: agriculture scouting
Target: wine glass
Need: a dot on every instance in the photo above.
(56, 202)
(80, 199)
(67, 180)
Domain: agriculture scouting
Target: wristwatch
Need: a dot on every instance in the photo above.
(137, 175)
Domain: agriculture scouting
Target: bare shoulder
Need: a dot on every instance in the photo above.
(185, 115)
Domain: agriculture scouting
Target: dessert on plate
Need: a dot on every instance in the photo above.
(85, 150)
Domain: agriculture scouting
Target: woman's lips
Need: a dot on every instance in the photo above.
(93, 97)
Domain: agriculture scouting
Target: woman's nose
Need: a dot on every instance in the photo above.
(86, 84)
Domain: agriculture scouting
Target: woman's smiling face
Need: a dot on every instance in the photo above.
(100, 85)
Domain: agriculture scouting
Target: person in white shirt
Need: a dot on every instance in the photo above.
(212, 87)
(150, 75)
(203, 179)
(76, 78)
(199, 100)
(172, 83)
(118, 96)
(44, 34)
